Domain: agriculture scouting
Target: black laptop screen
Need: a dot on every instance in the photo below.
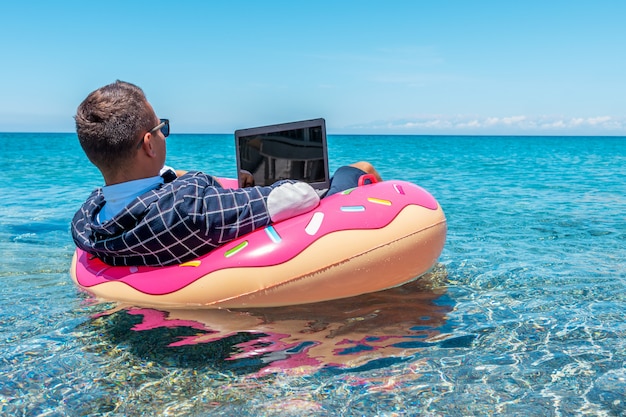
(295, 151)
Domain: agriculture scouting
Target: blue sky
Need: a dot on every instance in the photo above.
(368, 67)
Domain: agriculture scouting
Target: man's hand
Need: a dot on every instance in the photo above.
(246, 179)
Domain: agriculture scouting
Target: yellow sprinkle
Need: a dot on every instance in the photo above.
(379, 201)
(191, 263)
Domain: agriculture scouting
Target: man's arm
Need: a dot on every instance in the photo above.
(230, 213)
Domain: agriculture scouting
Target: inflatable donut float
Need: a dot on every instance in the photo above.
(366, 239)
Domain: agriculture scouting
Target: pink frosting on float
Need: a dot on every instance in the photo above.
(371, 206)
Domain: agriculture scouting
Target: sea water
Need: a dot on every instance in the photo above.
(522, 315)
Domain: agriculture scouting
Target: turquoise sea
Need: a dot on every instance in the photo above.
(522, 316)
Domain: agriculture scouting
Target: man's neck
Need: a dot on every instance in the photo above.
(131, 174)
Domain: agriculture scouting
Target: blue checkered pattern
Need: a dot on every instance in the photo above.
(180, 220)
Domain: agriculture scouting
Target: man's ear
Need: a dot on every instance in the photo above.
(147, 145)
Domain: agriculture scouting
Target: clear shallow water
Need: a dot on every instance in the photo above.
(524, 315)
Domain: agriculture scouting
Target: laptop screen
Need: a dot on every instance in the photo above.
(296, 151)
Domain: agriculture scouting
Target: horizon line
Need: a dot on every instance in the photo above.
(554, 134)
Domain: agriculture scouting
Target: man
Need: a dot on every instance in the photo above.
(147, 214)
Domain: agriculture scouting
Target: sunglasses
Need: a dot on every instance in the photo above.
(164, 125)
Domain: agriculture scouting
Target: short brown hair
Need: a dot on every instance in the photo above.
(110, 122)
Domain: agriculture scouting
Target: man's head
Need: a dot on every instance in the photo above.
(111, 123)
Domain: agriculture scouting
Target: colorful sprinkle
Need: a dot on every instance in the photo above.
(191, 263)
(379, 201)
(273, 234)
(352, 208)
(399, 189)
(315, 223)
(236, 249)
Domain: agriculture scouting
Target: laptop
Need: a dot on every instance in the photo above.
(296, 151)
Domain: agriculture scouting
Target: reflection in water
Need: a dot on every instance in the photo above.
(364, 332)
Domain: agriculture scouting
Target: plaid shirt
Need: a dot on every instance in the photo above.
(180, 220)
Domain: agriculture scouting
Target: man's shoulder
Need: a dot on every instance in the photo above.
(195, 177)
(192, 183)
(96, 198)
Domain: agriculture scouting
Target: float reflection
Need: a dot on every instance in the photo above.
(359, 332)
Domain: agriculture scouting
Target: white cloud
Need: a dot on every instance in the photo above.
(513, 120)
(492, 121)
(555, 124)
(518, 124)
(599, 120)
